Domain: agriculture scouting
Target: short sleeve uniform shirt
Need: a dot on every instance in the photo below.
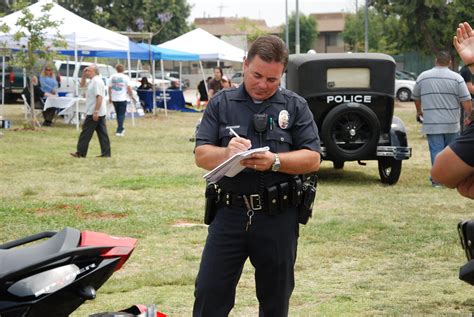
(289, 126)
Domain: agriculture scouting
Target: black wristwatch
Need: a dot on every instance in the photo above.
(276, 163)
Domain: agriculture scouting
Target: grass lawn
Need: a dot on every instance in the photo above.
(369, 249)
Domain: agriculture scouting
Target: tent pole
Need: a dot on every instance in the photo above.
(76, 84)
(3, 84)
(164, 87)
(132, 104)
(180, 77)
(204, 77)
(153, 84)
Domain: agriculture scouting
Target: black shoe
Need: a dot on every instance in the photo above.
(76, 154)
(47, 124)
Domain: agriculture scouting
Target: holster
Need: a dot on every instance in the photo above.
(466, 236)
(305, 208)
(212, 198)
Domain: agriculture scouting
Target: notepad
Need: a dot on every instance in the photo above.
(232, 166)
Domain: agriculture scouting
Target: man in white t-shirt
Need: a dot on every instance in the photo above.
(120, 92)
(96, 110)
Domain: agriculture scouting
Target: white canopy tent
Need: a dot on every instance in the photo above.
(78, 33)
(206, 45)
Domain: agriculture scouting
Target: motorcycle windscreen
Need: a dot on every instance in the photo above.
(45, 282)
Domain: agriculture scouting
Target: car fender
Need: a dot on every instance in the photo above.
(398, 135)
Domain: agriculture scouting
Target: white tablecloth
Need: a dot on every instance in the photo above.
(59, 102)
(68, 104)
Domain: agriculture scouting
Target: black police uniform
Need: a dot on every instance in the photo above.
(270, 241)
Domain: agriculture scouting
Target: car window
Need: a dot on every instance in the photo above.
(81, 70)
(103, 70)
(63, 69)
(348, 78)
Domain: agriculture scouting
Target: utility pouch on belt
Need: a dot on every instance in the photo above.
(212, 198)
(273, 203)
(305, 209)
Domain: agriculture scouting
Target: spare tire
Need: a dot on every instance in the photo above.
(350, 131)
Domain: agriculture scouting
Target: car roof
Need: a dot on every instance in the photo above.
(302, 67)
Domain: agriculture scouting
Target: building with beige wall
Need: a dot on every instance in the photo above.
(330, 27)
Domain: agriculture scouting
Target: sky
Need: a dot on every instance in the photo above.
(272, 11)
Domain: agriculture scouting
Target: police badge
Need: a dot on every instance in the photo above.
(283, 119)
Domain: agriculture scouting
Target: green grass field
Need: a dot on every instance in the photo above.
(369, 249)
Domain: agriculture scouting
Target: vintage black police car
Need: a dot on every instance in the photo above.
(352, 99)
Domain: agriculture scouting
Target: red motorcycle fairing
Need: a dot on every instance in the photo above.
(120, 246)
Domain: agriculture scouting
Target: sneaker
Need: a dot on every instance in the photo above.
(436, 185)
(123, 133)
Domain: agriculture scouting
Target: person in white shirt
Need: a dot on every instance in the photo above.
(120, 92)
(96, 109)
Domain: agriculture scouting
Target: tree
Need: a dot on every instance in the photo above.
(32, 29)
(166, 19)
(308, 32)
(250, 28)
(382, 32)
(426, 25)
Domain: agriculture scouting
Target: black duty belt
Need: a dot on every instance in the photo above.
(275, 199)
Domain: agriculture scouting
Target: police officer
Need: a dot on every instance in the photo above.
(257, 214)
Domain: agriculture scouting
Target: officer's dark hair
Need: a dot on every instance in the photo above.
(269, 48)
(220, 70)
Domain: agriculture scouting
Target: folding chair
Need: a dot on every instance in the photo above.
(27, 108)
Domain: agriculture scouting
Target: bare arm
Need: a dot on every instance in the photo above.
(98, 104)
(470, 87)
(467, 106)
(294, 162)
(466, 187)
(83, 78)
(449, 170)
(208, 156)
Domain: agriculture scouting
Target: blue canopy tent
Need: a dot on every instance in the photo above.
(141, 51)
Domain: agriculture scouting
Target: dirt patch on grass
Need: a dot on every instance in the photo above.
(410, 105)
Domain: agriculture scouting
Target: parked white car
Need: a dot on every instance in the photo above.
(137, 75)
(403, 86)
(71, 70)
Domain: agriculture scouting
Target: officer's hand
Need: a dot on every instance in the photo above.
(260, 161)
(237, 145)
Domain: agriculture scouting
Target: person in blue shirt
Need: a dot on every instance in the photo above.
(48, 81)
(49, 85)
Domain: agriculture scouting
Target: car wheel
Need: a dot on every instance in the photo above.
(404, 94)
(339, 165)
(389, 170)
(350, 132)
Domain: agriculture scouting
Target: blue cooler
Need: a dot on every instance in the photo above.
(5, 124)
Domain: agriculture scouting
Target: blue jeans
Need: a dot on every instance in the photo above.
(120, 110)
(437, 142)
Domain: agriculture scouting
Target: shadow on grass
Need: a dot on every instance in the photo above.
(331, 175)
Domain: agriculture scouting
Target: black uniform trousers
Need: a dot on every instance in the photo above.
(88, 128)
(270, 243)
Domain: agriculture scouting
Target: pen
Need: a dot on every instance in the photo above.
(234, 133)
(271, 123)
